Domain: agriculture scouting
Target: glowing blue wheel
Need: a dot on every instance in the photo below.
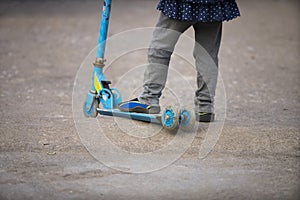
(170, 118)
(187, 119)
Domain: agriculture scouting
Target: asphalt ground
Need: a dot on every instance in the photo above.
(43, 155)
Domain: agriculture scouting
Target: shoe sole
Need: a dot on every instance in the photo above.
(142, 110)
(205, 118)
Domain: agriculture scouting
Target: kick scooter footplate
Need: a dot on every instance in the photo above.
(151, 118)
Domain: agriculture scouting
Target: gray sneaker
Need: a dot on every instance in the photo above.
(205, 117)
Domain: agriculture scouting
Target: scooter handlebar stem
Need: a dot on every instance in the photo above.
(104, 28)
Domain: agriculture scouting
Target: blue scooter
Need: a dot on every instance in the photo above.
(109, 98)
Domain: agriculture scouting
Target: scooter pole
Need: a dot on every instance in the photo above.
(98, 79)
(103, 31)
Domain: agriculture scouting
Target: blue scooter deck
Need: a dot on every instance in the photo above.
(151, 118)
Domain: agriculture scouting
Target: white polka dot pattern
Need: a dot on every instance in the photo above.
(199, 10)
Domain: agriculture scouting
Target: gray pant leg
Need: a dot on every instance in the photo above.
(208, 38)
(165, 37)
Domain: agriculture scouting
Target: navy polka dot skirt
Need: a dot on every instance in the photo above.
(199, 10)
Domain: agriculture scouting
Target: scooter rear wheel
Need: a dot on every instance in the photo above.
(187, 119)
(170, 118)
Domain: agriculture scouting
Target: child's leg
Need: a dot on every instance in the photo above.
(165, 36)
(208, 38)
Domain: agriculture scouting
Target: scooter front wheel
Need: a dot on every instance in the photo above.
(91, 111)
